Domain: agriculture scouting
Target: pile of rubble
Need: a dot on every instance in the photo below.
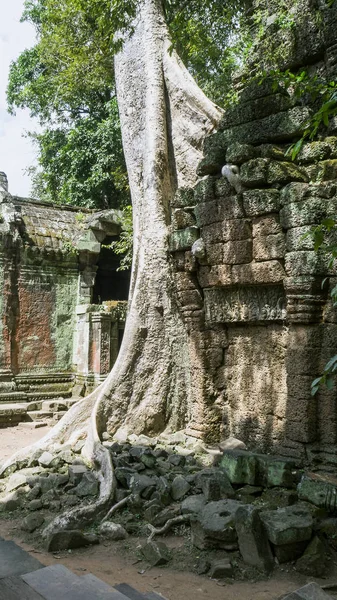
(261, 508)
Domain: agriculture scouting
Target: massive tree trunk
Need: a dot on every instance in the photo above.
(153, 386)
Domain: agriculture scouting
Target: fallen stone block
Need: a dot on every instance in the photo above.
(179, 487)
(319, 489)
(288, 525)
(289, 552)
(217, 520)
(32, 522)
(221, 569)
(88, 485)
(311, 591)
(112, 531)
(156, 553)
(253, 542)
(240, 466)
(217, 475)
(69, 540)
(313, 562)
(275, 471)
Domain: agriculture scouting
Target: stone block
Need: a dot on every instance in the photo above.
(271, 151)
(214, 149)
(215, 253)
(255, 109)
(185, 281)
(88, 485)
(222, 188)
(284, 172)
(179, 488)
(254, 273)
(314, 560)
(281, 127)
(156, 553)
(269, 247)
(311, 591)
(221, 569)
(268, 225)
(183, 197)
(204, 190)
(305, 262)
(254, 173)
(260, 202)
(225, 208)
(319, 489)
(215, 276)
(289, 552)
(323, 171)
(313, 152)
(226, 231)
(217, 475)
(69, 540)
(253, 542)
(193, 504)
(217, 520)
(182, 218)
(288, 525)
(240, 153)
(183, 239)
(237, 252)
(112, 531)
(274, 471)
(298, 238)
(309, 212)
(191, 298)
(240, 466)
(32, 522)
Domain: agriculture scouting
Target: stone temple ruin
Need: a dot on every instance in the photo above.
(62, 304)
(254, 293)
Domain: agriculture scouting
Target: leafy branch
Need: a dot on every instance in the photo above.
(323, 238)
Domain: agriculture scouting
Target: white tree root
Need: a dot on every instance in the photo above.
(168, 525)
(115, 508)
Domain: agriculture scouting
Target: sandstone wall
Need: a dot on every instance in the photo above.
(245, 272)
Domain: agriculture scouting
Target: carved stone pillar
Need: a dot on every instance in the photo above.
(305, 302)
(100, 345)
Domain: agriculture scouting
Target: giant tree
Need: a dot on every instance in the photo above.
(156, 382)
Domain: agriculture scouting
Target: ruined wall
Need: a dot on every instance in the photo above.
(245, 271)
(48, 257)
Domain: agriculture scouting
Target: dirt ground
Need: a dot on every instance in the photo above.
(120, 562)
(15, 438)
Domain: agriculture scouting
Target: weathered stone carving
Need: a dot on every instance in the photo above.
(245, 304)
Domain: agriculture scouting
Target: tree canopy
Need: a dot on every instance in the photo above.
(67, 81)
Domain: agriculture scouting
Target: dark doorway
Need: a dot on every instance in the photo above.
(110, 284)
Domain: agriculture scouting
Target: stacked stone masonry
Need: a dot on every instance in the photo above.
(247, 273)
(54, 341)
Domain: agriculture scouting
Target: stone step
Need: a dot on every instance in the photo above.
(133, 594)
(99, 586)
(38, 415)
(14, 588)
(130, 592)
(58, 583)
(15, 561)
(12, 414)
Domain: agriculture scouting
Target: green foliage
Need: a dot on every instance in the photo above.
(313, 90)
(124, 245)
(83, 165)
(67, 81)
(324, 237)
